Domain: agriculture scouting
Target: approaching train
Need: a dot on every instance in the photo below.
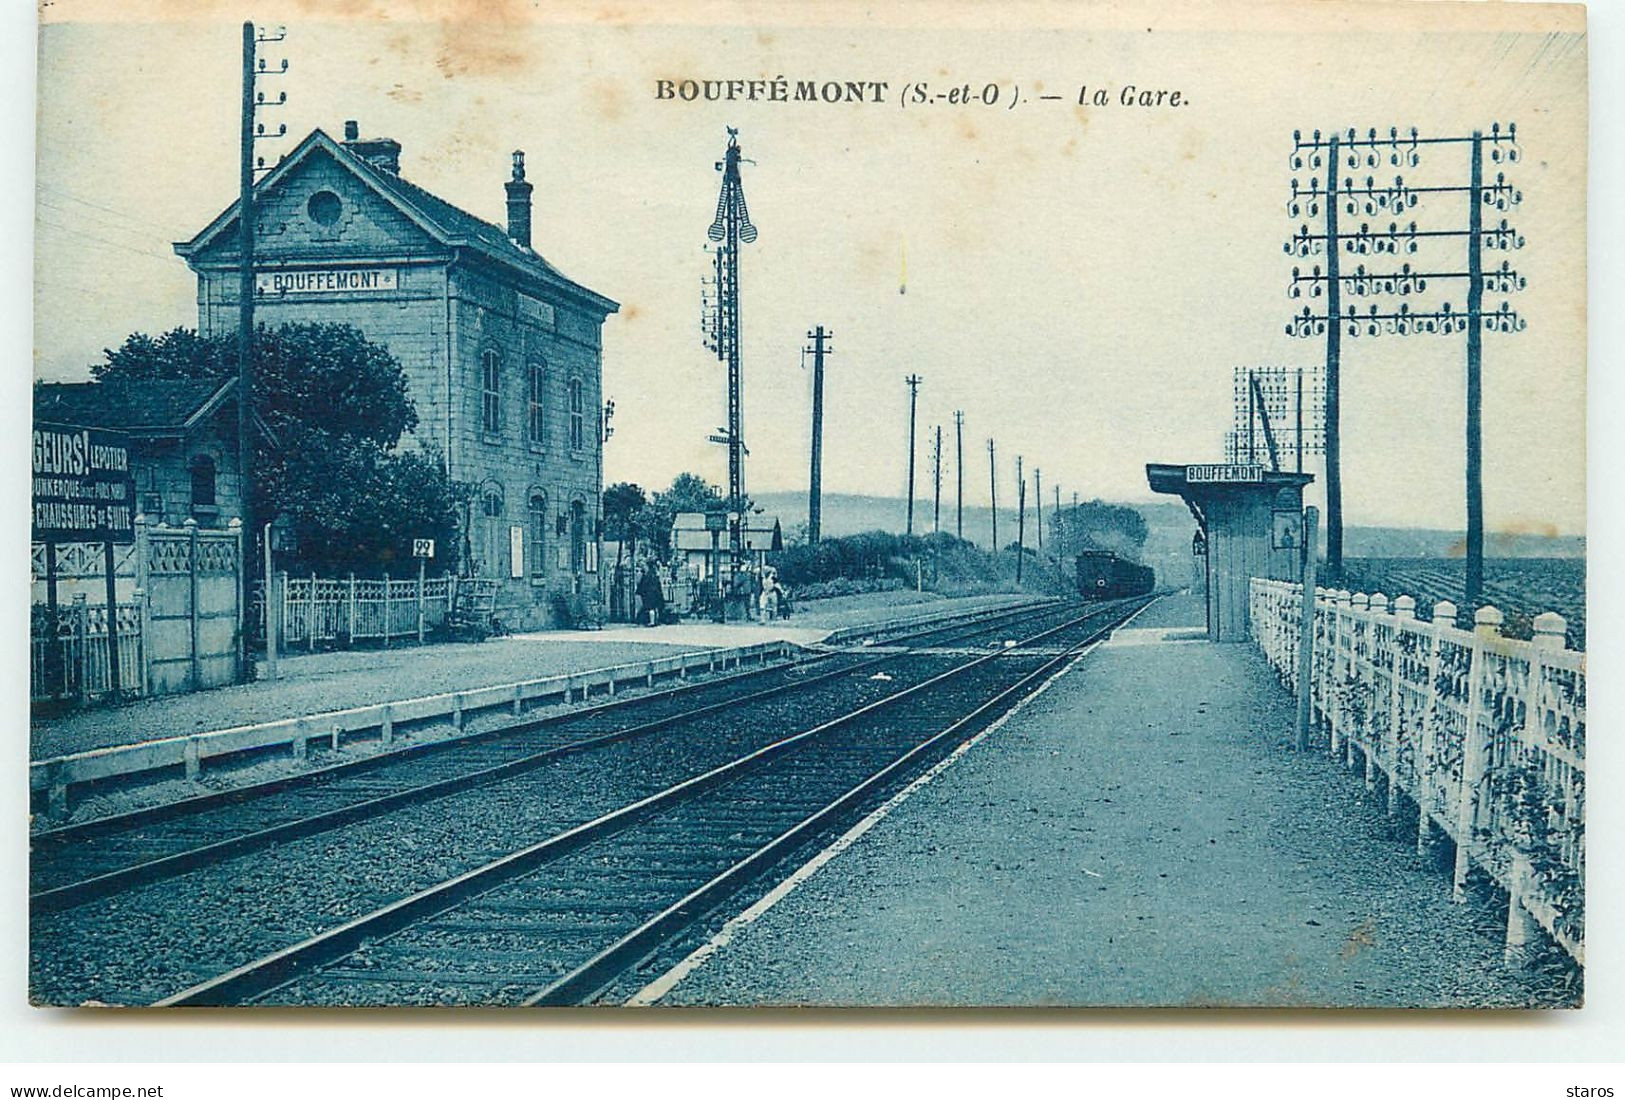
(1103, 575)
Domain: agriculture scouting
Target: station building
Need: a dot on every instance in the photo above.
(182, 436)
(502, 352)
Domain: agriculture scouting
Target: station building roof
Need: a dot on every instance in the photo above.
(154, 409)
(447, 224)
(1207, 478)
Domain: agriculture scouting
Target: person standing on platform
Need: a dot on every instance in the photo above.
(770, 595)
(651, 597)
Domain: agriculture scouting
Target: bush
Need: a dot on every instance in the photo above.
(877, 561)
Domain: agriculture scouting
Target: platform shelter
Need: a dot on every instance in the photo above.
(1251, 525)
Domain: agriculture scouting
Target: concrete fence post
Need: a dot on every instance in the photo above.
(1390, 741)
(352, 609)
(1427, 781)
(1551, 632)
(422, 565)
(195, 672)
(1474, 750)
(79, 665)
(239, 643)
(1523, 931)
(386, 725)
(1306, 625)
(143, 611)
(1362, 627)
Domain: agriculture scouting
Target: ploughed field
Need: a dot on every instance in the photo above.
(1520, 587)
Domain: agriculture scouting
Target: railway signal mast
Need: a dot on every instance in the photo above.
(730, 228)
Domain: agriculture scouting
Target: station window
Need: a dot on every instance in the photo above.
(324, 208)
(534, 422)
(491, 393)
(578, 416)
(538, 534)
(203, 482)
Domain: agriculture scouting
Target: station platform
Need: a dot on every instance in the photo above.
(1138, 834)
(324, 681)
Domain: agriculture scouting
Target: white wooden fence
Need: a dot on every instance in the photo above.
(79, 669)
(347, 610)
(1484, 735)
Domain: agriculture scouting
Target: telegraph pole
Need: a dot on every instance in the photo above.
(936, 476)
(993, 492)
(1060, 525)
(1334, 393)
(1400, 319)
(1038, 505)
(245, 340)
(913, 381)
(249, 131)
(959, 472)
(1475, 363)
(1021, 518)
(815, 502)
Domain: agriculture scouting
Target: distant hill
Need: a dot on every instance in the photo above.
(1168, 546)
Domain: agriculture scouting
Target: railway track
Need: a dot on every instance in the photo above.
(77, 864)
(570, 919)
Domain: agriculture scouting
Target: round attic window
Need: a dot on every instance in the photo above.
(324, 208)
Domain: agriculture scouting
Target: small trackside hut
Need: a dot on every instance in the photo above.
(1251, 524)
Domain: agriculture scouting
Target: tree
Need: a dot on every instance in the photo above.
(307, 377)
(688, 493)
(624, 505)
(333, 407)
(358, 510)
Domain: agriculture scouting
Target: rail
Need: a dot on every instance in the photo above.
(1484, 734)
(847, 635)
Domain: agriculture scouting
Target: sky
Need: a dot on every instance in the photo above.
(1080, 281)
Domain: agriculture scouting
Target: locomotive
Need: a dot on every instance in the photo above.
(1102, 575)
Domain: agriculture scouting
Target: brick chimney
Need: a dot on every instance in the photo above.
(519, 202)
(382, 153)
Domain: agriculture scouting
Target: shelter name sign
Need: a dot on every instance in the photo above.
(1224, 473)
(325, 280)
(83, 489)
